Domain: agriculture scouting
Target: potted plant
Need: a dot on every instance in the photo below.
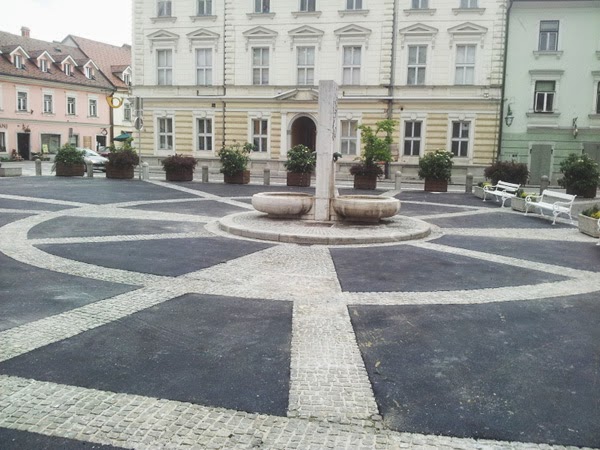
(69, 162)
(436, 168)
(509, 171)
(588, 221)
(376, 151)
(179, 167)
(300, 165)
(581, 175)
(234, 163)
(517, 203)
(478, 190)
(122, 161)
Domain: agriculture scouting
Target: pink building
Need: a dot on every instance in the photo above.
(50, 94)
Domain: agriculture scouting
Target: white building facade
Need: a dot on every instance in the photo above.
(215, 73)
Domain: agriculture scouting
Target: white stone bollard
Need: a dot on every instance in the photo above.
(267, 176)
(398, 181)
(89, 168)
(145, 171)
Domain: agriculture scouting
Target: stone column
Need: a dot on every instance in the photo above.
(326, 146)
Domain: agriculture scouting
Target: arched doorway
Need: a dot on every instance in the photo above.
(304, 131)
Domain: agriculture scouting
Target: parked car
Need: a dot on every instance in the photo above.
(98, 162)
(104, 151)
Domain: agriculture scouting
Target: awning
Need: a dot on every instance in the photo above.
(122, 137)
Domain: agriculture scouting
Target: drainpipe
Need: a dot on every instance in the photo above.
(224, 103)
(390, 108)
(503, 89)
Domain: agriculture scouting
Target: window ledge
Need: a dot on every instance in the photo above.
(306, 14)
(594, 116)
(479, 11)
(48, 114)
(255, 15)
(204, 17)
(22, 112)
(163, 19)
(549, 115)
(556, 54)
(416, 11)
(598, 54)
(353, 12)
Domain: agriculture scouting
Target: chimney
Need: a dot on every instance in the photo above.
(25, 32)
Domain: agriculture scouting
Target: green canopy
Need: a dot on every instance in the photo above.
(122, 137)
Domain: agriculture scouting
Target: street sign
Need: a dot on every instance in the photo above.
(138, 123)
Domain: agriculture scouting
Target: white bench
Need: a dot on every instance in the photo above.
(502, 190)
(554, 201)
(598, 231)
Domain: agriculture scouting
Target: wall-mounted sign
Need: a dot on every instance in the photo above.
(4, 125)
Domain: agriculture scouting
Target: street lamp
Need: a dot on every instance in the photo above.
(508, 119)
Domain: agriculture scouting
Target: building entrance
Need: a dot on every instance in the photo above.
(304, 131)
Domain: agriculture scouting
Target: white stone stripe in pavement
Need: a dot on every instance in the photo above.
(206, 195)
(134, 421)
(530, 234)
(120, 238)
(42, 200)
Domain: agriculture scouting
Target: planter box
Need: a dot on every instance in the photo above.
(588, 225)
(435, 185)
(238, 178)
(478, 192)
(120, 173)
(11, 171)
(367, 182)
(182, 174)
(69, 170)
(298, 179)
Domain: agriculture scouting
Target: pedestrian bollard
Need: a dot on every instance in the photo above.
(469, 184)
(544, 183)
(89, 168)
(145, 171)
(398, 181)
(38, 167)
(205, 174)
(267, 176)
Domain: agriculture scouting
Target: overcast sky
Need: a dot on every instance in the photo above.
(106, 21)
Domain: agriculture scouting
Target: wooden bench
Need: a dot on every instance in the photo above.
(554, 201)
(502, 190)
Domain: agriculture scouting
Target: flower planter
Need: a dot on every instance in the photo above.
(585, 193)
(478, 192)
(121, 173)
(180, 174)
(69, 170)
(238, 178)
(298, 179)
(435, 185)
(588, 225)
(368, 182)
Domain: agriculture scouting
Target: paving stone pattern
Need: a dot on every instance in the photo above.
(300, 346)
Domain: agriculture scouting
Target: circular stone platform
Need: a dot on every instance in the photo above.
(257, 225)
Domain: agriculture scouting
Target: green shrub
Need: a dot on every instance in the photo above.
(301, 159)
(580, 173)
(177, 162)
(68, 154)
(593, 212)
(123, 157)
(509, 171)
(436, 165)
(235, 158)
(376, 148)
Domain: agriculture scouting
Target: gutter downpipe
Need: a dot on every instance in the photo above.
(390, 108)
(224, 101)
(503, 89)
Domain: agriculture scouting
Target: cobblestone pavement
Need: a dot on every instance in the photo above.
(331, 401)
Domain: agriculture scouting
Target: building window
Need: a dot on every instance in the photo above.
(205, 137)
(18, 61)
(2, 141)
(71, 106)
(460, 138)
(260, 134)
(74, 140)
(349, 137)
(465, 64)
(544, 96)
(351, 65)
(598, 99)
(412, 137)
(354, 4)
(22, 101)
(164, 8)
(468, 3)
(127, 111)
(260, 65)
(43, 65)
(93, 107)
(48, 104)
(548, 36)
(68, 70)
(127, 79)
(307, 5)
(165, 133)
(306, 65)
(51, 141)
(204, 66)
(262, 6)
(89, 73)
(417, 59)
(420, 4)
(204, 7)
(164, 67)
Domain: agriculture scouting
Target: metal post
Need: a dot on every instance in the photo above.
(544, 183)
(145, 171)
(398, 181)
(469, 184)
(38, 167)
(89, 168)
(267, 176)
(205, 174)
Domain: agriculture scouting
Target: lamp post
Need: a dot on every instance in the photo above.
(508, 119)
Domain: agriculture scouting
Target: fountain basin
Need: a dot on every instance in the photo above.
(283, 204)
(365, 208)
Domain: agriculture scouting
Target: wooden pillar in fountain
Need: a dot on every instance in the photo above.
(326, 146)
